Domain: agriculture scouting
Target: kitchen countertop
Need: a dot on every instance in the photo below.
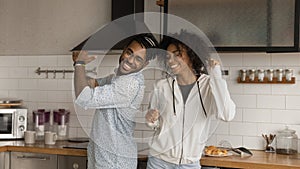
(259, 160)
(40, 147)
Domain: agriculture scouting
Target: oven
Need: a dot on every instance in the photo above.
(13, 123)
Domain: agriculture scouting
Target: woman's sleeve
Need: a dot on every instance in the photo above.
(120, 93)
(225, 107)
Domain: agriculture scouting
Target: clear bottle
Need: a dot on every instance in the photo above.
(287, 142)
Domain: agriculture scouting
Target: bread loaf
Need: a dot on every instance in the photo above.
(212, 150)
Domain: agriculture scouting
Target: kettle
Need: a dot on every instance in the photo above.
(286, 142)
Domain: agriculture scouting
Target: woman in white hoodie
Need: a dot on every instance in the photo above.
(184, 104)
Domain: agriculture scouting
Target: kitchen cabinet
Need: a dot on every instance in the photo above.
(21, 160)
(4, 160)
(237, 25)
(72, 162)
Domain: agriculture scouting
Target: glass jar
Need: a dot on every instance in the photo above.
(261, 75)
(279, 75)
(288, 74)
(251, 74)
(243, 74)
(287, 142)
(270, 73)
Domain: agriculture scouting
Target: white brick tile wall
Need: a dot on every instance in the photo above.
(243, 128)
(292, 102)
(257, 89)
(256, 59)
(231, 59)
(244, 101)
(251, 142)
(261, 108)
(285, 59)
(9, 61)
(257, 115)
(271, 101)
(285, 116)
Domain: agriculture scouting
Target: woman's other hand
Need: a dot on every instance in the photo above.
(152, 115)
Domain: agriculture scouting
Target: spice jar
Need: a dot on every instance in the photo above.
(251, 74)
(261, 75)
(243, 75)
(287, 142)
(270, 74)
(288, 74)
(279, 75)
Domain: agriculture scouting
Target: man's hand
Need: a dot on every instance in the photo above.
(82, 56)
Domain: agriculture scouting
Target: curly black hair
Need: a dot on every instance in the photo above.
(195, 47)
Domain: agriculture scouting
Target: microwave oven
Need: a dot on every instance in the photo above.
(13, 123)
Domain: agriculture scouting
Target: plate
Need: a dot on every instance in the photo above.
(228, 154)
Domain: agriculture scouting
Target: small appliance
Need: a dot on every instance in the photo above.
(13, 119)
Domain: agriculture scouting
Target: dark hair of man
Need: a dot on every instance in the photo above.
(194, 42)
(147, 41)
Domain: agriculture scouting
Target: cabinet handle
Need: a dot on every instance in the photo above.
(34, 157)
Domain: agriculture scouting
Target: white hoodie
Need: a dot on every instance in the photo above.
(181, 136)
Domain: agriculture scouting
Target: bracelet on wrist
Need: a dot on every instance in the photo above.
(79, 63)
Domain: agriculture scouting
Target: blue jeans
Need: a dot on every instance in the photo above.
(155, 163)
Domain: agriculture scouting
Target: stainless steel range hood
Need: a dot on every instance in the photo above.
(113, 36)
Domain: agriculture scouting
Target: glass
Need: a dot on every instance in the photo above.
(287, 142)
(269, 140)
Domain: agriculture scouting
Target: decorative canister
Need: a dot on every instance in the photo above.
(286, 141)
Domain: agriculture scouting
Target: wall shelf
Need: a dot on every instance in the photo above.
(266, 81)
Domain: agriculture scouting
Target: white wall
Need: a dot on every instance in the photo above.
(261, 108)
(41, 27)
